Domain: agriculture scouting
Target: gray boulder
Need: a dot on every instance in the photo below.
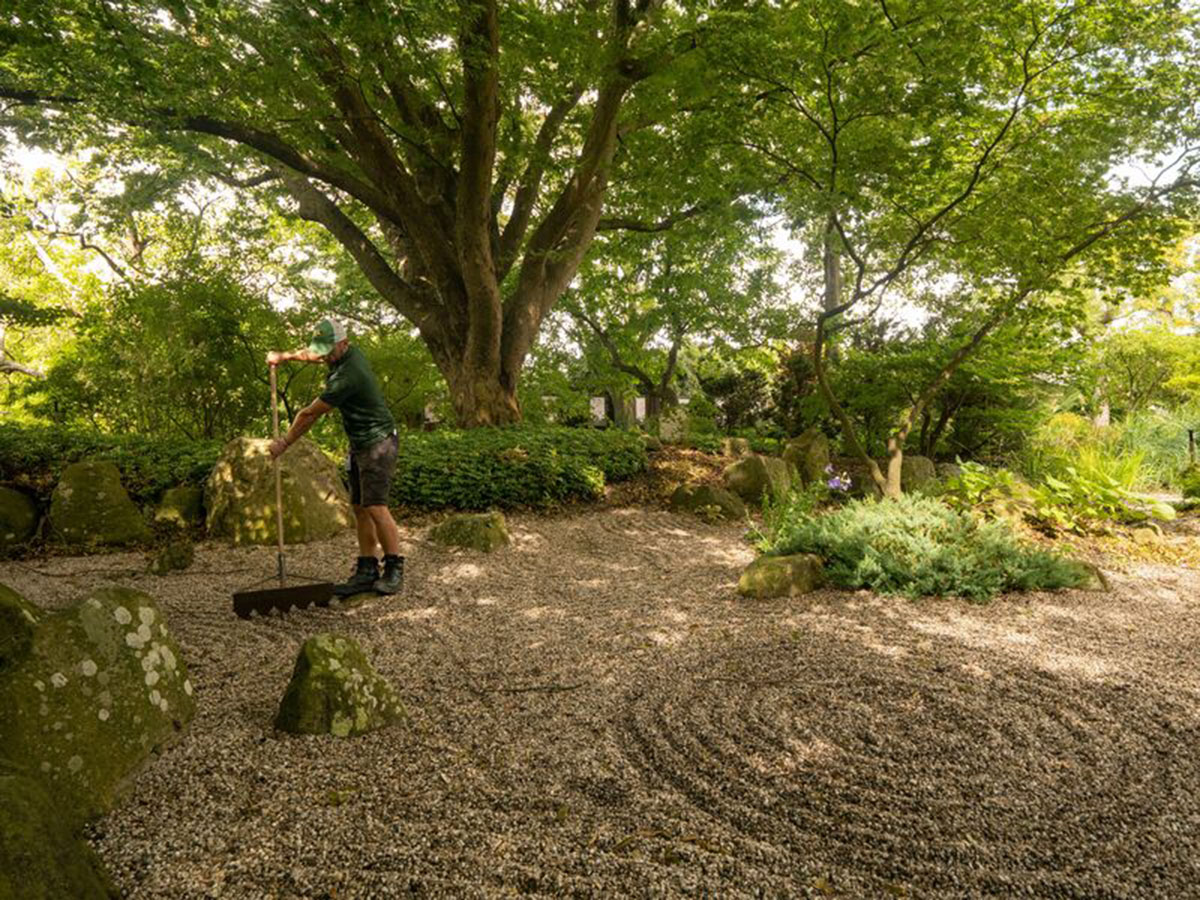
(753, 477)
(90, 507)
(100, 687)
(808, 455)
(709, 501)
(240, 494)
(781, 576)
(18, 518)
(335, 691)
(474, 531)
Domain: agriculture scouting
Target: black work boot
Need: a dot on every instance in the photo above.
(392, 579)
(366, 571)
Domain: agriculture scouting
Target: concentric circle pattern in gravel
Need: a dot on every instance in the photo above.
(595, 713)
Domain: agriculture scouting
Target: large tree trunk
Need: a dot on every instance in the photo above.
(481, 397)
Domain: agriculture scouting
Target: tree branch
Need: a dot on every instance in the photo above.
(531, 182)
(315, 206)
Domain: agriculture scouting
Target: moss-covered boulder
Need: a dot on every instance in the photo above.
(1091, 578)
(808, 455)
(653, 444)
(176, 556)
(240, 494)
(18, 518)
(781, 576)
(18, 619)
(42, 856)
(335, 691)
(181, 507)
(947, 471)
(736, 447)
(708, 501)
(1189, 482)
(475, 531)
(917, 473)
(102, 686)
(90, 507)
(755, 476)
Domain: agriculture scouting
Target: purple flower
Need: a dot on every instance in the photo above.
(839, 483)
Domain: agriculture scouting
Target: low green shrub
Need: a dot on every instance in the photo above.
(518, 466)
(767, 444)
(33, 457)
(783, 514)
(705, 442)
(918, 546)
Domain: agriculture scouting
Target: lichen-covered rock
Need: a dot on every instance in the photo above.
(781, 576)
(335, 691)
(240, 494)
(653, 444)
(808, 455)
(182, 507)
(42, 857)
(18, 518)
(18, 619)
(753, 477)
(90, 507)
(705, 499)
(736, 447)
(475, 531)
(176, 556)
(102, 687)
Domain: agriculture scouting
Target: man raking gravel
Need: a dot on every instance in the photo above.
(351, 388)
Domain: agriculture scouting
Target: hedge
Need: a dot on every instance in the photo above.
(475, 469)
(33, 457)
(516, 466)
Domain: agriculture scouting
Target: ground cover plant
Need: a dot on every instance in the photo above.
(1081, 497)
(507, 467)
(33, 457)
(918, 546)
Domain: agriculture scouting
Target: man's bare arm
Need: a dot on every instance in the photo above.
(275, 357)
(304, 421)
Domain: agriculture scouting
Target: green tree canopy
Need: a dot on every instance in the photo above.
(459, 153)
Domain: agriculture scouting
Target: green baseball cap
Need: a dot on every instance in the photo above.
(328, 332)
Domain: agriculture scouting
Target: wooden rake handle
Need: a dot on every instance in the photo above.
(278, 476)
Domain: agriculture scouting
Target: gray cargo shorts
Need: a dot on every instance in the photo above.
(371, 470)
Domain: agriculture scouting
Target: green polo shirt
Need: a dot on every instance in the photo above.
(352, 388)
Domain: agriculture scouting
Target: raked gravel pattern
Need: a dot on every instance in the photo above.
(595, 713)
